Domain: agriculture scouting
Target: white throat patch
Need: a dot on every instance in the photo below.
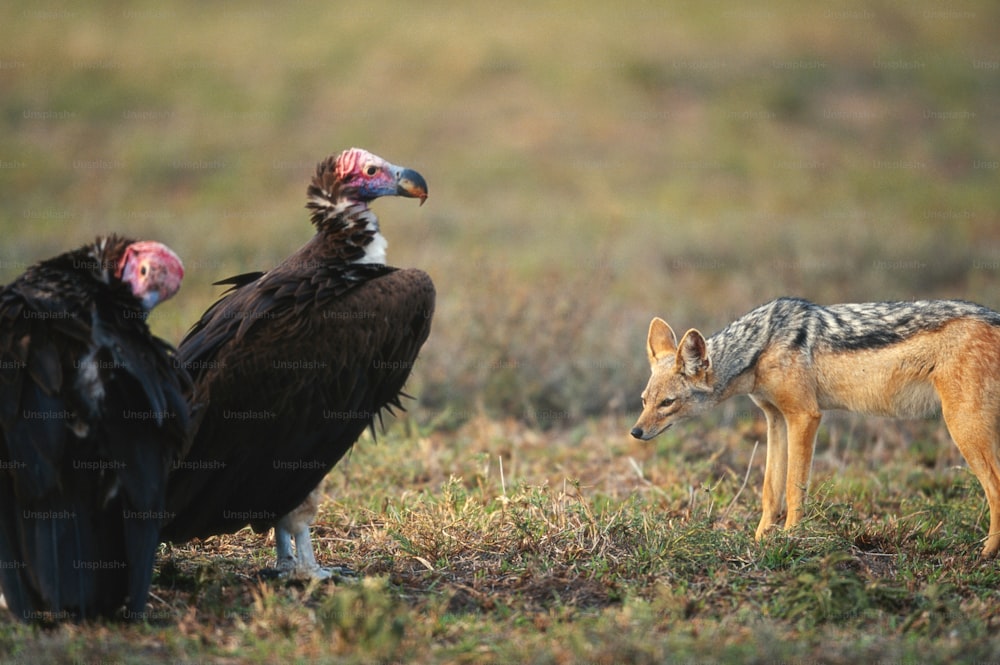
(375, 251)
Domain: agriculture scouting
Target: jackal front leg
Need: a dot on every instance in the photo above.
(774, 467)
(801, 442)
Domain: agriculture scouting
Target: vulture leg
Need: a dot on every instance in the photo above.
(283, 548)
(294, 527)
(302, 564)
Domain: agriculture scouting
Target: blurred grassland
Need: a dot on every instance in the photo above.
(589, 165)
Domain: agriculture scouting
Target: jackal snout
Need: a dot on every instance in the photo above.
(639, 433)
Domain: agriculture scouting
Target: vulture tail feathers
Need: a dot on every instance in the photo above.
(142, 537)
(63, 558)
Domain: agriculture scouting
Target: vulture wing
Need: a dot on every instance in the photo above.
(294, 368)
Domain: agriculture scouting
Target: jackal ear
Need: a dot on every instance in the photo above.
(661, 341)
(692, 355)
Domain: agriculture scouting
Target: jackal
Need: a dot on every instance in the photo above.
(796, 359)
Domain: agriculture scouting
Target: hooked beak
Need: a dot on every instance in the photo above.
(411, 184)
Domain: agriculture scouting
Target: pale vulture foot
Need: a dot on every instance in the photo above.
(299, 563)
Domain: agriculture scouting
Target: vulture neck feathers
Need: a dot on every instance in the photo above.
(348, 227)
(348, 231)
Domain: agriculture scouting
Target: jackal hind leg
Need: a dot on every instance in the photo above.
(774, 467)
(978, 438)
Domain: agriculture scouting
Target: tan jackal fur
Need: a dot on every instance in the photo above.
(796, 359)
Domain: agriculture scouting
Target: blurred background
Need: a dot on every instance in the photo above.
(590, 164)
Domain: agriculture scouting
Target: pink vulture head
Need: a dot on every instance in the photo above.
(152, 270)
(368, 177)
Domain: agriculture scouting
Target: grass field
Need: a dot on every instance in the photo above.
(590, 165)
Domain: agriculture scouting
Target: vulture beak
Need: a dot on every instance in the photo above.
(411, 184)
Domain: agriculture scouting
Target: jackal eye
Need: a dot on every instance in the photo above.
(667, 402)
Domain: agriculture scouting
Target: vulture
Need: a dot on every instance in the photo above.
(291, 366)
(93, 414)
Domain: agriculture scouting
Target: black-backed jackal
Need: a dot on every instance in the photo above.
(796, 359)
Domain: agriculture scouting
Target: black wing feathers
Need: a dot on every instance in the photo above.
(294, 367)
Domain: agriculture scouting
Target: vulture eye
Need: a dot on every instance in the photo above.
(371, 169)
(143, 270)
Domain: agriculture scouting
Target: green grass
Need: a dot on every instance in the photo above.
(590, 166)
(574, 555)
